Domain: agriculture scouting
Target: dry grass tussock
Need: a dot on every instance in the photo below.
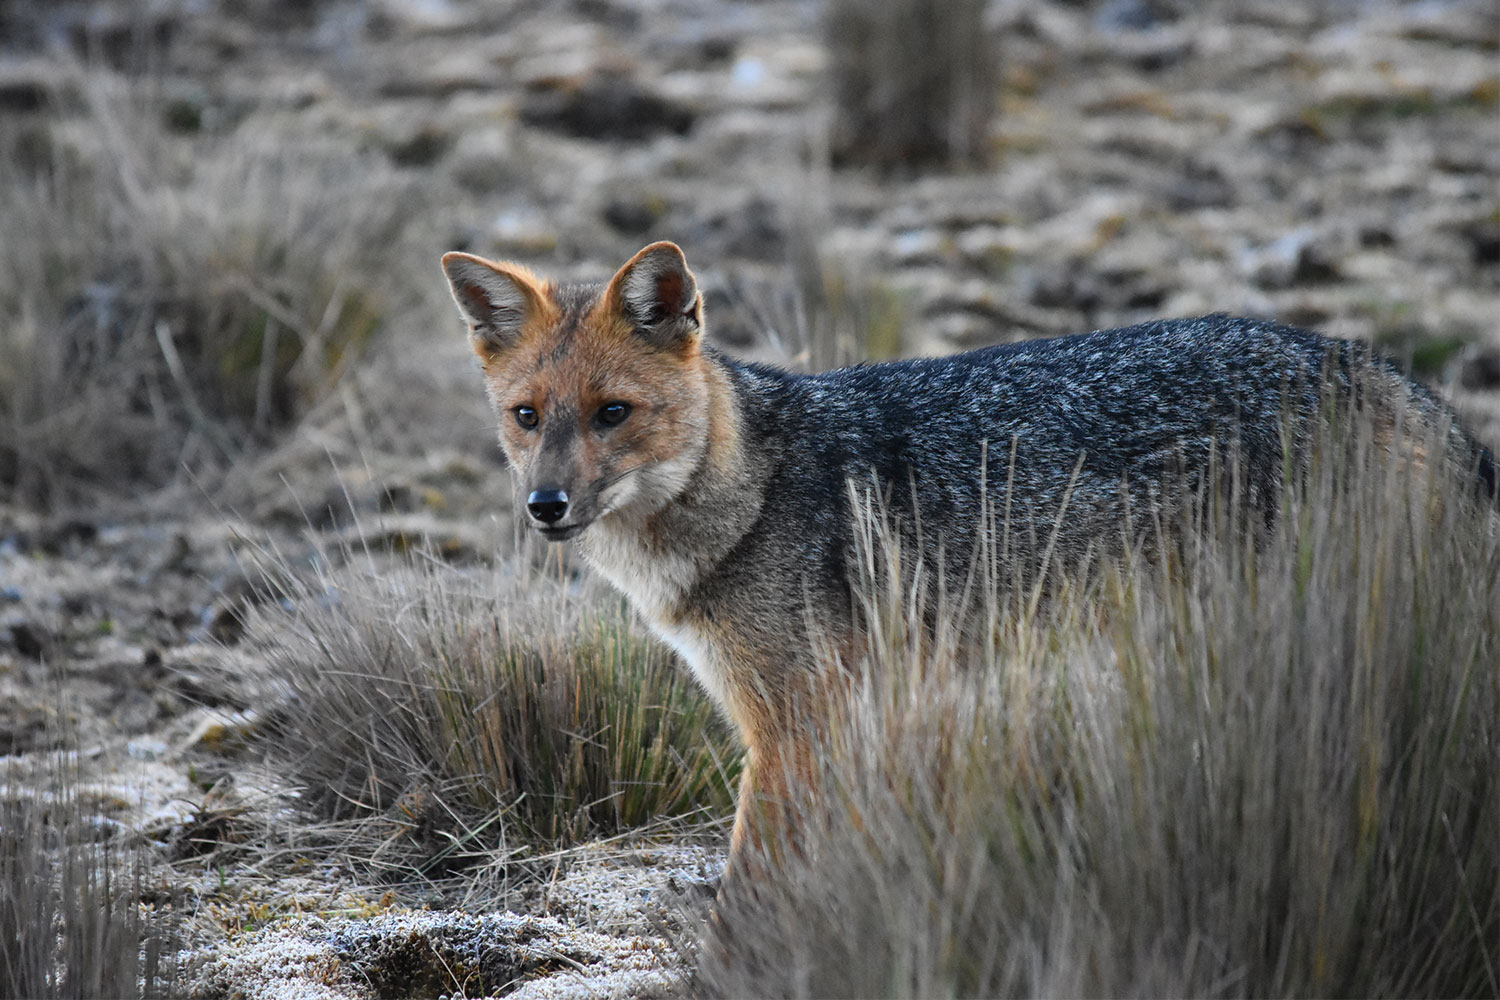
(72, 921)
(172, 302)
(456, 716)
(1240, 768)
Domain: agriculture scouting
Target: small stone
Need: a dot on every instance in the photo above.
(919, 246)
(522, 230)
(423, 148)
(1300, 257)
(29, 639)
(146, 748)
(1483, 238)
(1072, 285)
(24, 728)
(218, 732)
(606, 106)
(1481, 370)
(419, 16)
(1199, 186)
(459, 72)
(67, 534)
(22, 93)
(225, 621)
(633, 216)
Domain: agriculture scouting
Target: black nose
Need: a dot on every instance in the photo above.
(548, 506)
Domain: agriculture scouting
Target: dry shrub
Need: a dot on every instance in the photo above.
(914, 82)
(168, 303)
(1243, 767)
(470, 711)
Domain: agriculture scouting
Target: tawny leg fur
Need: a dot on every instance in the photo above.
(764, 820)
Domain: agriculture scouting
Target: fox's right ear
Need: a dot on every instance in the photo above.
(495, 299)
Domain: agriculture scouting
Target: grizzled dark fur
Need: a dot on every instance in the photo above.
(1109, 423)
(732, 502)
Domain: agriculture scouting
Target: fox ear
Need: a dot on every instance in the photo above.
(496, 299)
(657, 293)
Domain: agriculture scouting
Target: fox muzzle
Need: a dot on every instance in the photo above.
(547, 506)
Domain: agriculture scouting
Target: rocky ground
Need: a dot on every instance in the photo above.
(1328, 164)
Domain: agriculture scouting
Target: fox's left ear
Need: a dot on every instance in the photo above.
(657, 293)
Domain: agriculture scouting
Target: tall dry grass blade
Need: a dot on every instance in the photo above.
(1246, 762)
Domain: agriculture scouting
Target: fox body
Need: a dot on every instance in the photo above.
(716, 494)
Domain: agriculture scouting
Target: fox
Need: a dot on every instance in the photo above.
(715, 493)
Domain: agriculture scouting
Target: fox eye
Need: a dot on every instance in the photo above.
(612, 414)
(526, 417)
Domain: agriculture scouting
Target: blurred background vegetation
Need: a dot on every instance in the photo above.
(215, 212)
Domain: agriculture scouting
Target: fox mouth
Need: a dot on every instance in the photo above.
(558, 533)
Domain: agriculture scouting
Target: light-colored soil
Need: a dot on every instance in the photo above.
(1330, 164)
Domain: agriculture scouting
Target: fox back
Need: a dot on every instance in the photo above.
(727, 499)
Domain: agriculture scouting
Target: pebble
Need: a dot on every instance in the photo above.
(1299, 257)
(146, 748)
(218, 732)
(1480, 369)
(29, 639)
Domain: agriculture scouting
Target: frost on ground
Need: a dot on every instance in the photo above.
(611, 937)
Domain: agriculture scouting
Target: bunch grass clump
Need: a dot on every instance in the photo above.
(171, 303)
(485, 716)
(71, 920)
(1248, 764)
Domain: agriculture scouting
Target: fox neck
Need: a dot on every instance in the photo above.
(658, 559)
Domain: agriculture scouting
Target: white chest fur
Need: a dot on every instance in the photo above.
(703, 658)
(655, 582)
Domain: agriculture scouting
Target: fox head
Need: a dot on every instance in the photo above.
(601, 391)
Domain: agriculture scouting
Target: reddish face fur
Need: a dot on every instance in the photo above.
(566, 353)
